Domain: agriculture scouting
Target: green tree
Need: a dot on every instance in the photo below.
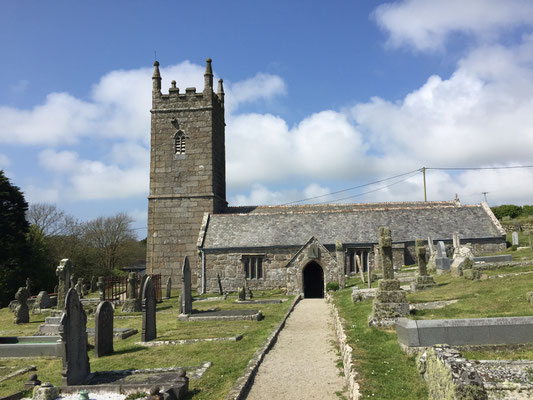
(13, 244)
(507, 210)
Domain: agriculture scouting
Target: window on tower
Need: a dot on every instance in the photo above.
(179, 142)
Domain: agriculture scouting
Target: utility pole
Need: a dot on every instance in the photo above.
(485, 194)
(424, 175)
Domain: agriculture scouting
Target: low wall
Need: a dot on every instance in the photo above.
(459, 332)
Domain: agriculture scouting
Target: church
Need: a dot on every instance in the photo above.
(296, 248)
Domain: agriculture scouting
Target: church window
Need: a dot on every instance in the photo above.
(179, 143)
(253, 267)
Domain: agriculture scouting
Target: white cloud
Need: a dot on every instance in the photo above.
(426, 24)
(261, 86)
(4, 161)
(261, 195)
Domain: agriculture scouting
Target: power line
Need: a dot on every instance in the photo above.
(352, 188)
(477, 168)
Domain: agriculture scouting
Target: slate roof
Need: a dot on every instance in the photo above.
(280, 226)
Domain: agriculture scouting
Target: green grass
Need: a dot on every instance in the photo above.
(229, 358)
(384, 371)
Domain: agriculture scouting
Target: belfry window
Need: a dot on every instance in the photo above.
(179, 142)
(253, 267)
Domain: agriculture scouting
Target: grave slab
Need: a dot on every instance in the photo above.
(222, 315)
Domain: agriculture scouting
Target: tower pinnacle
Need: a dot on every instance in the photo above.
(156, 78)
(208, 76)
(220, 91)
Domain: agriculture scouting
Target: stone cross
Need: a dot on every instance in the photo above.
(103, 329)
(514, 238)
(421, 257)
(149, 329)
(430, 246)
(220, 291)
(385, 249)
(22, 312)
(94, 281)
(73, 332)
(186, 290)
(169, 287)
(63, 275)
(101, 288)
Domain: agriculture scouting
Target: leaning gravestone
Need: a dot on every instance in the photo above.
(186, 289)
(149, 331)
(423, 280)
(430, 246)
(94, 281)
(390, 302)
(103, 329)
(101, 288)
(168, 288)
(514, 238)
(73, 332)
(63, 275)
(220, 291)
(139, 294)
(22, 312)
(442, 262)
(132, 303)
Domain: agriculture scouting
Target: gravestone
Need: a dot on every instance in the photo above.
(250, 294)
(423, 280)
(101, 287)
(169, 288)
(73, 280)
(220, 291)
(22, 312)
(85, 290)
(430, 246)
(186, 290)
(63, 275)
(103, 329)
(94, 281)
(456, 242)
(149, 331)
(514, 238)
(390, 302)
(242, 293)
(29, 285)
(42, 300)
(79, 288)
(140, 292)
(132, 303)
(73, 332)
(442, 262)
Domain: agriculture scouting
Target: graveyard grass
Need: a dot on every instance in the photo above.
(229, 358)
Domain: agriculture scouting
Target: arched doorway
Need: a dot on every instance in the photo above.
(313, 281)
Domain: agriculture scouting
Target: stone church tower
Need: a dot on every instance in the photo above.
(187, 172)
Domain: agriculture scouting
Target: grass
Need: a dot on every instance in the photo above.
(384, 371)
(229, 358)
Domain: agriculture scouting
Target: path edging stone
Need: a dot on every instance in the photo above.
(243, 384)
(350, 374)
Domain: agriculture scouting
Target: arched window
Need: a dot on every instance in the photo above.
(179, 142)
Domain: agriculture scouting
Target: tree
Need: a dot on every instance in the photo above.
(108, 235)
(13, 244)
(48, 218)
(506, 210)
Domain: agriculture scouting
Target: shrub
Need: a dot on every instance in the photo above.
(507, 210)
(334, 286)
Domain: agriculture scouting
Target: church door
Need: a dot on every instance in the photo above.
(313, 281)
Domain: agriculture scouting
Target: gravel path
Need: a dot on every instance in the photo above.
(302, 363)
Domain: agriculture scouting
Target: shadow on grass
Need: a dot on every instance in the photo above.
(130, 350)
(192, 393)
(161, 308)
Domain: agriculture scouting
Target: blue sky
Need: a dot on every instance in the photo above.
(321, 96)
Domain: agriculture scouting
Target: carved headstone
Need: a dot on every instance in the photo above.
(63, 275)
(456, 242)
(186, 289)
(168, 288)
(94, 281)
(220, 291)
(442, 262)
(423, 280)
(390, 302)
(514, 238)
(139, 293)
(79, 288)
(132, 303)
(101, 288)
(103, 329)
(42, 300)
(73, 332)
(149, 330)
(22, 312)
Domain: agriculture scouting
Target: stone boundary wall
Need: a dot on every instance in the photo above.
(460, 332)
(350, 374)
(243, 384)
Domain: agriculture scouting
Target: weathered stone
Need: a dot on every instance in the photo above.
(220, 291)
(63, 275)
(32, 382)
(389, 284)
(385, 251)
(149, 329)
(103, 329)
(29, 285)
(242, 293)
(250, 294)
(394, 296)
(73, 280)
(73, 332)
(132, 303)
(46, 391)
(22, 312)
(42, 300)
(186, 289)
(101, 288)
(168, 288)
(79, 287)
(472, 274)
(421, 257)
(94, 282)
(514, 238)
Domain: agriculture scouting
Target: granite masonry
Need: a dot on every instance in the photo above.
(296, 248)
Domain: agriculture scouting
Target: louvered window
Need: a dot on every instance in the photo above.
(179, 143)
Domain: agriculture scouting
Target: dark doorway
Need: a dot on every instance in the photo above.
(313, 281)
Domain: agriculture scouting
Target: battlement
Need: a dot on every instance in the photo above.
(208, 96)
